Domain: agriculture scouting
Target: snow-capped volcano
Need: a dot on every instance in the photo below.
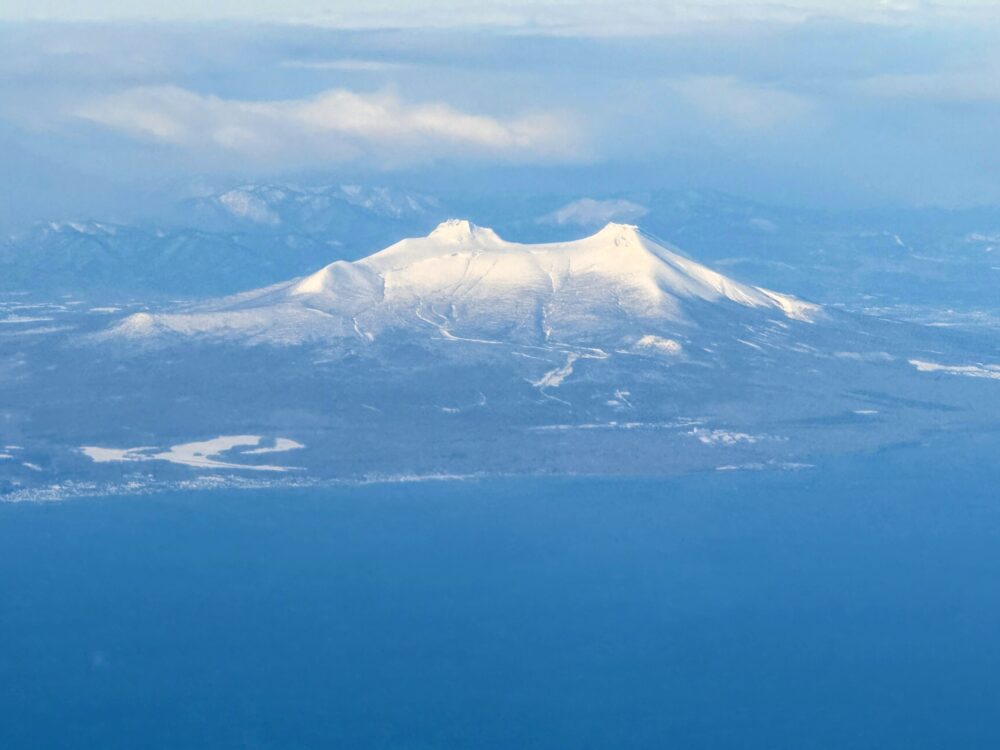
(460, 353)
(464, 281)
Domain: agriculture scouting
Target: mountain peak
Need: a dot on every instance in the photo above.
(462, 230)
(464, 281)
(616, 228)
(621, 235)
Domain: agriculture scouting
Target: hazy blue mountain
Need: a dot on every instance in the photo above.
(213, 244)
(336, 211)
(115, 261)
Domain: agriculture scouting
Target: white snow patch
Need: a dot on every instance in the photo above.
(992, 372)
(280, 446)
(24, 319)
(200, 455)
(139, 324)
(758, 466)
(416, 478)
(613, 425)
(726, 437)
(623, 397)
(115, 455)
(659, 345)
(865, 356)
(448, 335)
(751, 344)
(554, 378)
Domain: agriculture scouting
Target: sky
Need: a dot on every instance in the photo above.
(105, 107)
(542, 13)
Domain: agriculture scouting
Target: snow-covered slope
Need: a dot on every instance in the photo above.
(464, 281)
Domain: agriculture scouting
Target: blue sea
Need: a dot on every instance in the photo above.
(852, 605)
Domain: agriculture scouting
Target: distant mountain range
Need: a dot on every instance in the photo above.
(212, 244)
(336, 209)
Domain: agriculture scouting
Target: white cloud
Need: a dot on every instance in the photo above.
(589, 212)
(740, 105)
(332, 126)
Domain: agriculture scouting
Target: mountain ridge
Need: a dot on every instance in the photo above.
(467, 278)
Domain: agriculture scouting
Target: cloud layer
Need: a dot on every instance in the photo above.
(335, 125)
(820, 111)
(592, 17)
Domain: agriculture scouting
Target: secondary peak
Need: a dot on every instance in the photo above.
(462, 230)
(620, 234)
(615, 228)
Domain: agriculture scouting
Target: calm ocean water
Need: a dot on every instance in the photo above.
(855, 605)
